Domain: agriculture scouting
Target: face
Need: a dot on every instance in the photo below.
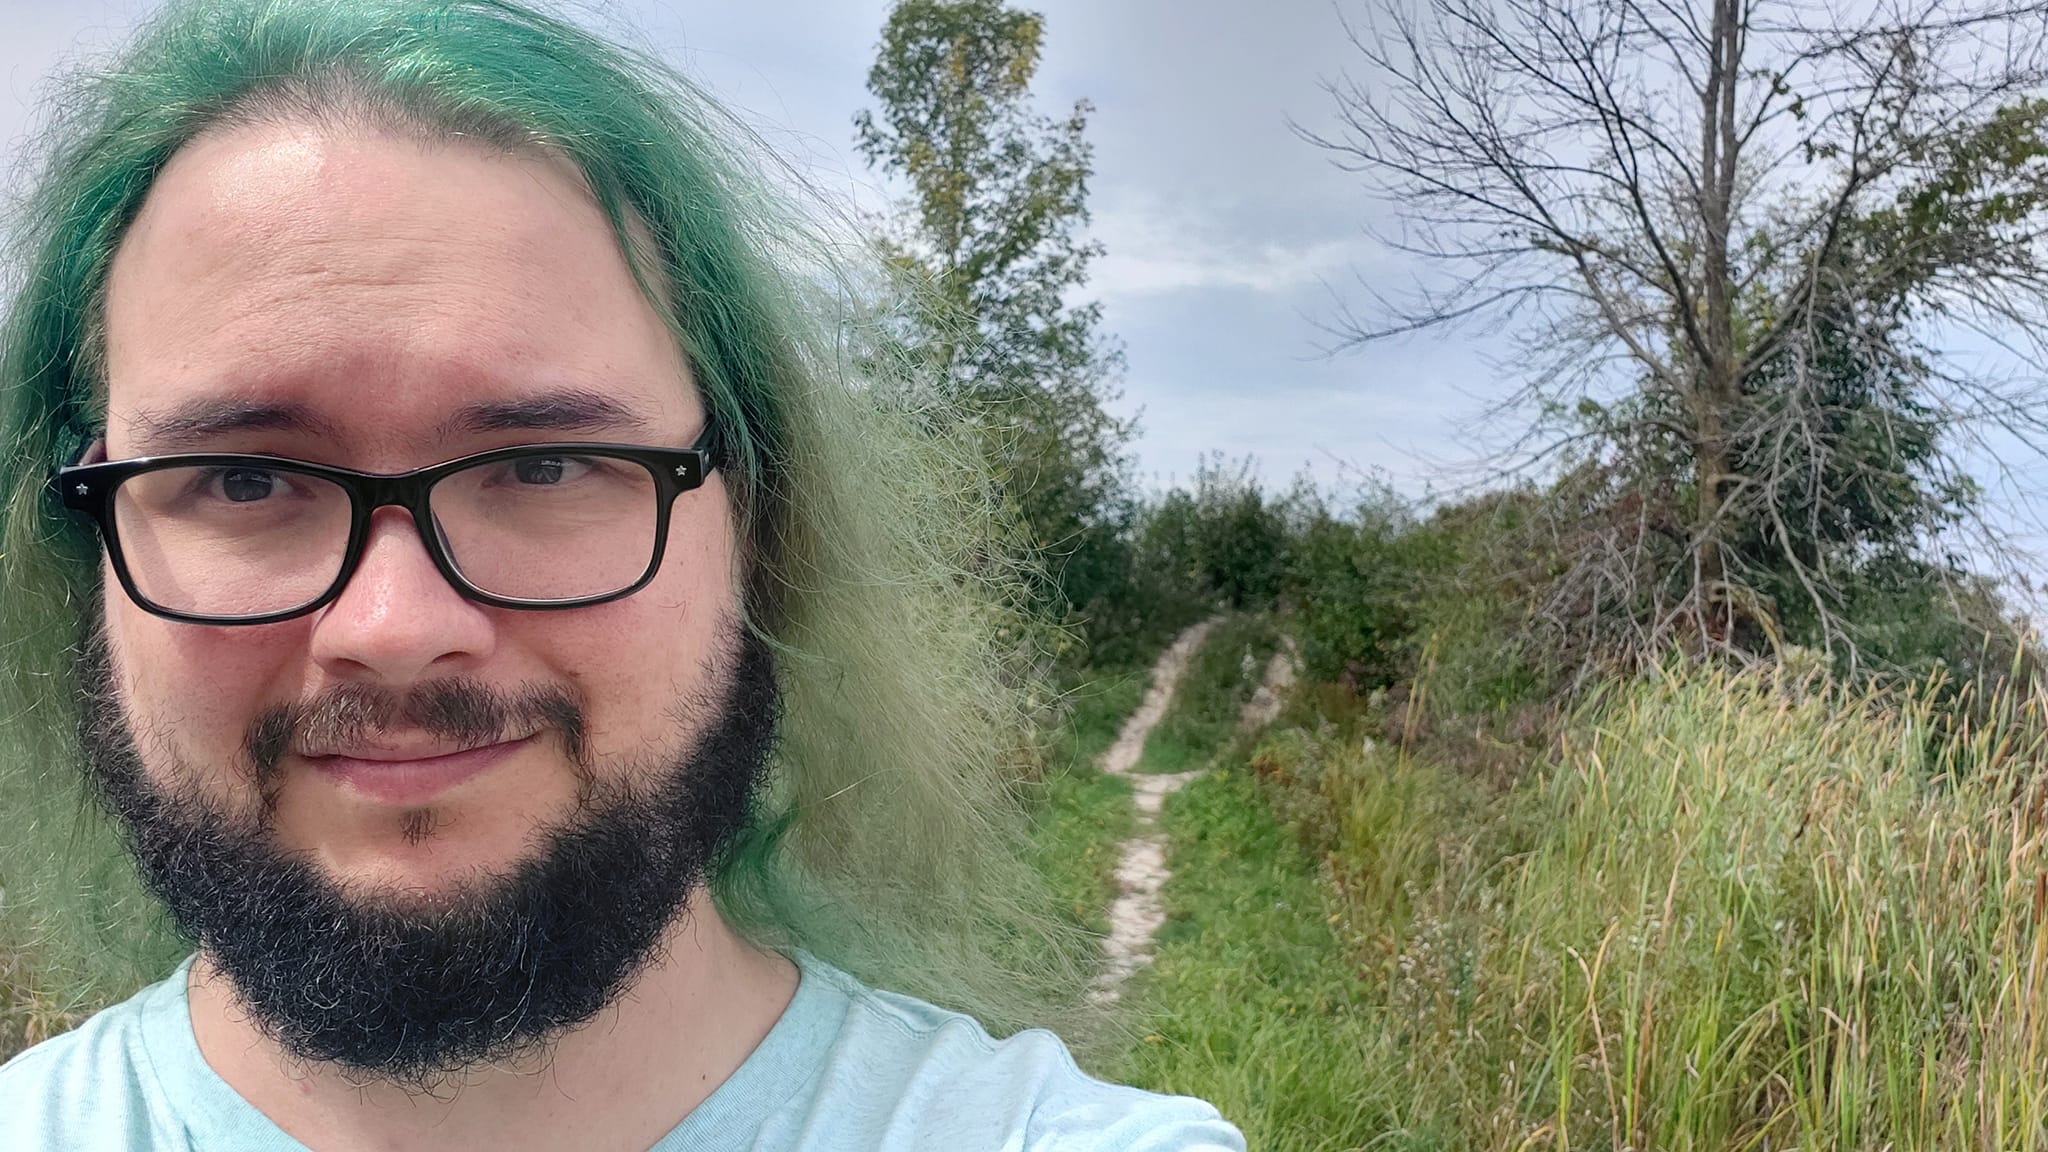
(383, 304)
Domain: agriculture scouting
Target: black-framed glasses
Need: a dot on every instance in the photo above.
(224, 538)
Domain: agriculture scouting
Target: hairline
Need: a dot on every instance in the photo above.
(338, 105)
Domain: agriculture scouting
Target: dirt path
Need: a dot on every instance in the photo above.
(1137, 913)
(1264, 706)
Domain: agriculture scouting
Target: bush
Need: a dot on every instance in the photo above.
(1738, 911)
(1380, 597)
(1188, 553)
(1352, 583)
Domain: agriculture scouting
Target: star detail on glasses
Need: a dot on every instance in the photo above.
(682, 469)
(84, 489)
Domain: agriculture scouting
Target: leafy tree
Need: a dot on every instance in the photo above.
(990, 247)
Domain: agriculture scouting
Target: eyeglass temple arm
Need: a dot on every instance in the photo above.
(711, 444)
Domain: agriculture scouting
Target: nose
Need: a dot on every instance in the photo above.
(399, 621)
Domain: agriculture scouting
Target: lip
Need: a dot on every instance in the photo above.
(400, 780)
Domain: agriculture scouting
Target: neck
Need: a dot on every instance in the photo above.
(621, 1080)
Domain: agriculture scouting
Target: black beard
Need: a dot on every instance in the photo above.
(412, 995)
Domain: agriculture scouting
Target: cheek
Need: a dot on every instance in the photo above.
(636, 658)
(197, 688)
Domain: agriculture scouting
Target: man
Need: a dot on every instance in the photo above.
(449, 498)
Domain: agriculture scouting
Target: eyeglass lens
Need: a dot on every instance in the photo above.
(548, 527)
(246, 540)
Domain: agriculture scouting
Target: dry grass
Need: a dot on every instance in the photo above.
(30, 1014)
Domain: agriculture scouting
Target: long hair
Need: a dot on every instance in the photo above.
(892, 842)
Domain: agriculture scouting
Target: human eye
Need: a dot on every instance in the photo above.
(244, 485)
(231, 489)
(230, 484)
(546, 479)
(546, 470)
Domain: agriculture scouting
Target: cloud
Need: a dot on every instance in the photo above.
(1268, 268)
(1152, 251)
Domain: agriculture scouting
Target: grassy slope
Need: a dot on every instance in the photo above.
(1730, 916)
(1251, 997)
(1250, 1003)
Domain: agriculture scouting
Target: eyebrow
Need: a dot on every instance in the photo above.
(195, 422)
(573, 410)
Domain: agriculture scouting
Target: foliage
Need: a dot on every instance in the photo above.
(1231, 537)
(1220, 678)
(1379, 591)
(1222, 544)
(1154, 591)
(1738, 910)
(1351, 581)
(1726, 233)
(989, 252)
(1489, 602)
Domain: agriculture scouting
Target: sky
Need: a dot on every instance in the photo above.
(1228, 240)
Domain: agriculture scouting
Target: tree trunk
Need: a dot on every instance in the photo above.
(1711, 457)
(1714, 383)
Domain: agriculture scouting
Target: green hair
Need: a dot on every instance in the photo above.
(892, 840)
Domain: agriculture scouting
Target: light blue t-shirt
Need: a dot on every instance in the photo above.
(847, 1067)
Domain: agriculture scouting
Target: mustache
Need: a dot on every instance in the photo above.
(468, 712)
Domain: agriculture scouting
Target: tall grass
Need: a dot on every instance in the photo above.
(1734, 913)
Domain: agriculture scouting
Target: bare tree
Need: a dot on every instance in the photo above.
(1725, 229)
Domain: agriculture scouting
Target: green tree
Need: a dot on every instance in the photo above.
(991, 249)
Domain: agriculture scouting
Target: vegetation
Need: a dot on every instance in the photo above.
(1735, 238)
(1221, 543)
(1728, 910)
(1084, 814)
(986, 252)
(1220, 679)
(1250, 1003)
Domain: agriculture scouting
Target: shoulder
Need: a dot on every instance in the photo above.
(937, 1079)
(89, 1088)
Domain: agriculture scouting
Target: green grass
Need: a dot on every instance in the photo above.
(1731, 915)
(1220, 678)
(1096, 709)
(1081, 818)
(1251, 1003)
(1083, 815)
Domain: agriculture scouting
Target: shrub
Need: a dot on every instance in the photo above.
(1738, 910)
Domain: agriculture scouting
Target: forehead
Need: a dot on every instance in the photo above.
(381, 288)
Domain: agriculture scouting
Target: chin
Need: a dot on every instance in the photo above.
(469, 837)
(399, 874)
(428, 853)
